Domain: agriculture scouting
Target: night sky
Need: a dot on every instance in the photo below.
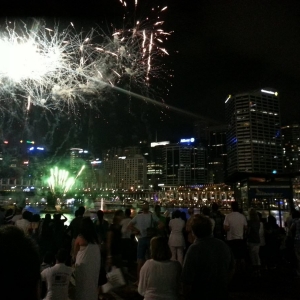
(217, 48)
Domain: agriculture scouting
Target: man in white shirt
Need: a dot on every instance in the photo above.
(235, 224)
(138, 225)
(57, 278)
(24, 223)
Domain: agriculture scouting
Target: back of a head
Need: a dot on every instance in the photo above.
(214, 207)
(81, 210)
(127, 212)
(100, 215)
(20, 260)
(201, 226)
(234, 206)
(205, 211)
(62, 255)
(253, 216)
(145, 207)
(47, 217)
(36, 218)
(27, 215)
(87, 230)
(160, 249)
(176, 214)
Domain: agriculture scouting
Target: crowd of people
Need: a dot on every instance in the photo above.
(176, 256)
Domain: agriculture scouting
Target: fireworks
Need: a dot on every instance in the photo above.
(60, 182)
(57, 69)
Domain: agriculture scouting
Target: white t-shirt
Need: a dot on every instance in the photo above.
(176, 238)
(126, 233)
(57, 279)
(23, 224)
(236, 222)
(159, 280)
(143, 221)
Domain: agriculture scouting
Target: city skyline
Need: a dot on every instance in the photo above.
(215, 50)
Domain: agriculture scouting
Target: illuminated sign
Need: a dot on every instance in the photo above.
(122, 157)
(30, 142)
(40, 148)
(159, 143)
(269, 92)
(191, 140)
(96, 162)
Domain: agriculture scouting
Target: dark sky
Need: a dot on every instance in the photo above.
(217, 48)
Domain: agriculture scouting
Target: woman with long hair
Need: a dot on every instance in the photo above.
(87, 264)
(159, 276)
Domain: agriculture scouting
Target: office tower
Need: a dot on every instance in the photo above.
(291, 148)
(125, 173)
(254, 132)
(184, 163)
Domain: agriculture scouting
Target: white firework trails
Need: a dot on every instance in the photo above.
(56, 69)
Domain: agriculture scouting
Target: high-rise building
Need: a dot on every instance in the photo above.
(291, 148)
(213, 138)
(184, 164)
(254, 132)
(126, 173)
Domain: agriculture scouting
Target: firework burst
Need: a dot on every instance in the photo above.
(57, 69)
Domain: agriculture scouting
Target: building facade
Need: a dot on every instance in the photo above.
(253, 135)
(125, 173)
(184, 164)
(291, 148)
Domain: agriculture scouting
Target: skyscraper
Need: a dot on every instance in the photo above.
(184, 164)
(254, 132)
(291, 148)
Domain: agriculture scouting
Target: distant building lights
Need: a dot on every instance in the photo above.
(40, 148)
(96, 162)
(85, 151)
(227, 98)
(31, 148)
(274, 172)
(159, 144)
(30, 142)
(269, 92)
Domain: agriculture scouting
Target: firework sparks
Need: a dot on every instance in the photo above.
(53, 68)
(60, 182)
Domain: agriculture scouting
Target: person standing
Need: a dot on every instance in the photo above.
(160, 277)
(87, 264)
(188, 227)
(208, 262)
(74, 228)
(176, 239)
(138, 225)
(253, 240)
(57, 278)
(235, 224)
(219, 218)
